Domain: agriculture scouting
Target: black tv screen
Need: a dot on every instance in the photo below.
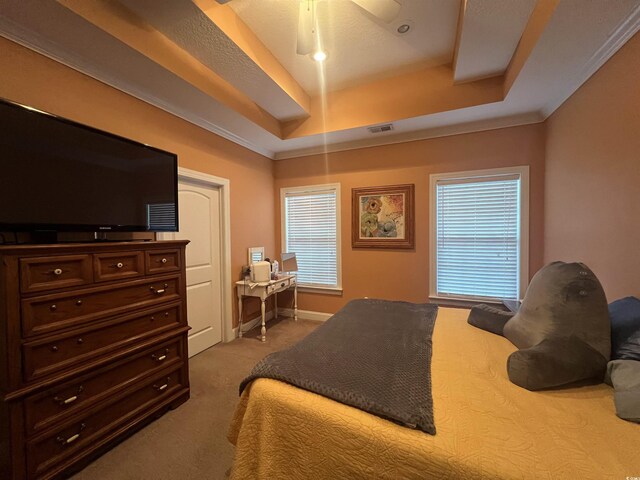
(59, 175)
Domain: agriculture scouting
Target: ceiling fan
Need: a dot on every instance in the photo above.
(385, 10)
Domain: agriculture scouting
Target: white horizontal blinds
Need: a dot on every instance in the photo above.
(161, 216)
(311, 233)
(256, 257)
(477, 237)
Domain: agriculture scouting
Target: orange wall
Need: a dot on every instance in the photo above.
(584, 198)
(47, 85)
(397, 274)
(592, 192)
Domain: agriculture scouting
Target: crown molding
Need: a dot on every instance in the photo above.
(417, 135)
(41, 45)
(618, 37)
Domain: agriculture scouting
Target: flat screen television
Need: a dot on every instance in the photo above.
(59, 175)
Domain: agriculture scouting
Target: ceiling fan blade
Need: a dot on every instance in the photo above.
(305, 28)
(385, 10)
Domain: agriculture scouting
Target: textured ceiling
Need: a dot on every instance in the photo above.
(491, 30)
(576, 39)
(189, 27)
(359, 46)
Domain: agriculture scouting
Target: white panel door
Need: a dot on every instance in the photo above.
(199, 215)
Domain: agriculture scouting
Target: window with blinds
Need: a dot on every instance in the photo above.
(161, 216)
(311, 231)
(478, 238)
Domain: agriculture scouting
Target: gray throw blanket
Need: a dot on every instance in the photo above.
(374, 355)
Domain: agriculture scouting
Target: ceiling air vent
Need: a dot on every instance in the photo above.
(381, 128)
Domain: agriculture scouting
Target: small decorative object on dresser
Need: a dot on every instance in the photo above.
(93, 343)
(383, 217)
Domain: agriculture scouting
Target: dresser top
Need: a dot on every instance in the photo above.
(63, 248)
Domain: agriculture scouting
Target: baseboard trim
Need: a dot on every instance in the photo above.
(286, 312)
(306, 314)
(246, 326)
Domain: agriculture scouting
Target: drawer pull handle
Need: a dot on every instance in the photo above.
(164, 386)
(164, 260)
(53, 307)
(69, 440)
(80, 341)
(54, 348)
(159, 291)
(66, 401)
(57, 272)
(118, 265)
(79, 303)
(72, 438)
(161, 358)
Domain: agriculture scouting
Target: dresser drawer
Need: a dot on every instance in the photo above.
(117, 266)
(80, 432)
(159, 261)
(46, 356)
(65, 310)
(48, 273)
(58, 404)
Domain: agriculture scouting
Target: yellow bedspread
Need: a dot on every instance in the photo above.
(486, 426)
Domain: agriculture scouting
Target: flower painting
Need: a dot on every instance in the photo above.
(383, 217)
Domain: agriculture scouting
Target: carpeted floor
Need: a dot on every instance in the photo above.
(190, 442)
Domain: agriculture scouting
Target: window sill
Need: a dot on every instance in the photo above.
(457, 302)
(320, 290)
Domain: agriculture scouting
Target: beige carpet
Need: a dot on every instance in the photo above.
(190, 442)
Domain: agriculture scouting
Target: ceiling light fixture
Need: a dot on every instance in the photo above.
(320, 56)
(404, 28)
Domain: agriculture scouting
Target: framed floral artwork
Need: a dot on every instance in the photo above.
(383, 217)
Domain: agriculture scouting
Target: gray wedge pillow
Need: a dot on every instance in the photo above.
(555, 362)
(624, 376)
(489, 318)
(565, 306)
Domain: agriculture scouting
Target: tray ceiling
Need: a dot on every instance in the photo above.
(359, 46)
(232, 68)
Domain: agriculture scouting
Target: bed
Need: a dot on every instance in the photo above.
(486, 426)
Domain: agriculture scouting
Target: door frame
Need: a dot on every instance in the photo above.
(224, 185)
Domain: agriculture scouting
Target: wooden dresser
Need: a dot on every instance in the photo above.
(93, 345)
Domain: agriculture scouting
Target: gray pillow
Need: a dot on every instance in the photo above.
(563, 300)
(489, 318)
(624, 376)
(565, 308)
(555, 362)
(625, 328)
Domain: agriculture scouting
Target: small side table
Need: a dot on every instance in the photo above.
(264, 291)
